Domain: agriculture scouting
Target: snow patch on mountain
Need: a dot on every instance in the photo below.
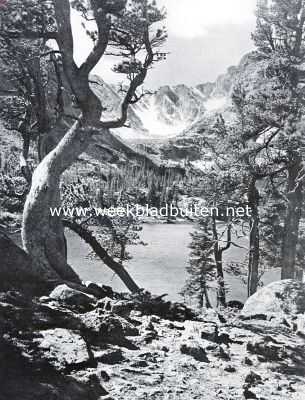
(171, 110)
(157, 123)
(216, 103)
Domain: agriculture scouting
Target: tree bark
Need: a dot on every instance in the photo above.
(42, 234)
(218, 254)
(254, 241)
(116, 267)
(221, 290)
(292, 221)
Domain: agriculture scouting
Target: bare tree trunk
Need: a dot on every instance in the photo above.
(116, 267)
(42, 234)
(218, 255)
(292, 221)
(221, 290)
(254, 242)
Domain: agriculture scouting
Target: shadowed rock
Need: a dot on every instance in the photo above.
(16, 272)
(193, 349)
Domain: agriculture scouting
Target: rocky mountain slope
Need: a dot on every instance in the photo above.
(172, 115)
(70, 345)
(171, 110)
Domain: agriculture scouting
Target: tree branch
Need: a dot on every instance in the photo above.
(103, 26)
(136, 82)
(116, 267)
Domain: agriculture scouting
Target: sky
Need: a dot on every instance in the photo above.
(205, 38)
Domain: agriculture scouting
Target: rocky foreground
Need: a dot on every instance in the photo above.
(75, 346)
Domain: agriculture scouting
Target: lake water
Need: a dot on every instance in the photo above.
(158, 267)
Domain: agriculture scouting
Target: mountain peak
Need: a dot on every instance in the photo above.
(171, 110)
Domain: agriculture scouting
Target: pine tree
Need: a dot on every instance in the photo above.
(279, 39)
(201, 267)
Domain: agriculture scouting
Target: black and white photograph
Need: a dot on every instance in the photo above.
(152, 199)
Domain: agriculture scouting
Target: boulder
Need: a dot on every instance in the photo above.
(253, 378)
(63, 349)
(72, 297)
(99, 291)
(22, 313)
(210, 332)
(96, 321)
(24, 376)
(193, 349)
(286, 297)
(110, 356)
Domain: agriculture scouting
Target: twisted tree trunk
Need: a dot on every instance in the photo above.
(43, 234)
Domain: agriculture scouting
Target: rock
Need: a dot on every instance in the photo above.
(109, 356)
(90, 378)
(230, 368)
(267, 348)
(148, 356)
(107, 327)
(105, 377)
(139, 364)
(176, 327)
(248, 394)
(110, 329)
(19, 312)
(248, 361)
(105, 304)
(26, 377)
(148, 331)
(148, 304)
(98, 291)
(253, 378)
(93, 321)
(210, 332)
(222, 354)
(148, 326)
(193, 349)
(149, 336)
(122, 308)
(285, 297)
(72, 297)
(223, 338)
(63, 349)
